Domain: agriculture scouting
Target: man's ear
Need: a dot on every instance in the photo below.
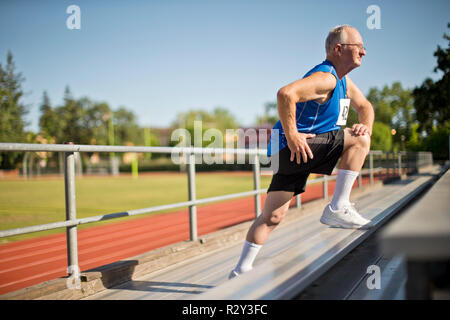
(338, 49)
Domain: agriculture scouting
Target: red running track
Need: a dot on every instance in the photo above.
(29, 262)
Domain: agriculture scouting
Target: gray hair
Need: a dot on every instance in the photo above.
(336, 35)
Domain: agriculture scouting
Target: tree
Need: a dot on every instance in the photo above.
(432, 104)
(270, 114)
(394, 106)
(48, 122)
(12, 111)
(126, 130)
(394, 109)
(72, 115)
(223, 119)
(220, 119)
(381, 138)
(84, 121)
(95, 121)
(438, 142)
(432, 99)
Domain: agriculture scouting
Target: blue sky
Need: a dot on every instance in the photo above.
(159, 58)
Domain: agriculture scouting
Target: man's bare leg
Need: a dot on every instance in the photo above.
(275, 207)
(354, 153)
(353, 156)
(356, 148)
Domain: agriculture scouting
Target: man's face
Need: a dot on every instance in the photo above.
(352, 51)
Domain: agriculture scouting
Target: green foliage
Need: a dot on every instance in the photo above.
(12, 111)
(432, 104)
(394, 106)
(381, 137)
(432, 99)
(198, 122)
(270, 114)
(83, 121)
(436, 142)
(126, 129)
(415, 141)
(150, 139)
(220, 118)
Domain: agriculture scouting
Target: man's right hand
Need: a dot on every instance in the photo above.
(299, 146)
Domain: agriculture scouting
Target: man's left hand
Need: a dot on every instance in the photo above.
(360, 129)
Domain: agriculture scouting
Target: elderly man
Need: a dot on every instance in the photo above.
(310, 140)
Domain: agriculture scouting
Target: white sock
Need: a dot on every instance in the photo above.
(248, 255)
(344, 183)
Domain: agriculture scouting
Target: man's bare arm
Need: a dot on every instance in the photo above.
(363, 107)
(314, 87)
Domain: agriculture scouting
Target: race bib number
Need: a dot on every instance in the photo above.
(344, 106)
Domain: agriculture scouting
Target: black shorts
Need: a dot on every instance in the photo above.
(326, 148)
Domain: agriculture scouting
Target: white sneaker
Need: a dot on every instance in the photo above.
(347, 217)
(233, 274)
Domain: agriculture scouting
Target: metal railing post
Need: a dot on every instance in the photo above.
(192, 197)
(24, 165)
(257, 184)
(394, 164)
(325, 187)
(298, 201)
(400, 165)
(71, 214)
(387, 165)
(380, 173)
(61, 163)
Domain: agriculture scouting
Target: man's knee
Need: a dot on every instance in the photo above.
(362, 143)
(365, 142)
(276, 217)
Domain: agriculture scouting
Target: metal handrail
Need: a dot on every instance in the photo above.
(139, 149)
(69, 178)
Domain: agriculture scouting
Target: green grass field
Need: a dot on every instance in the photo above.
(41, 200)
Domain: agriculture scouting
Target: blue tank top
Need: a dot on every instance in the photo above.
(311, 116)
